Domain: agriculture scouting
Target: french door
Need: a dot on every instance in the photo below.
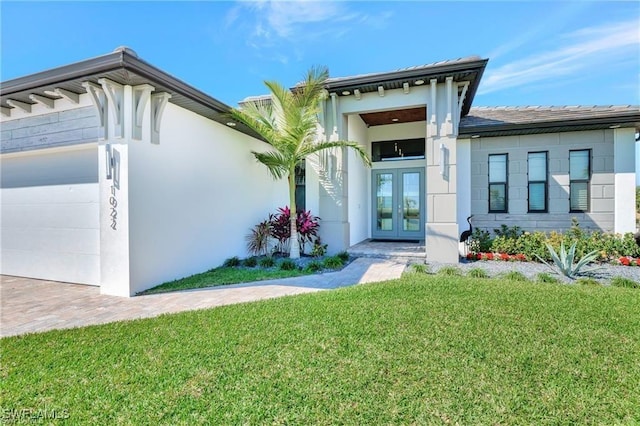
(398, 204)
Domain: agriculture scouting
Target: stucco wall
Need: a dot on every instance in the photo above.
(558, 145)
(359, 181)
(194, 197)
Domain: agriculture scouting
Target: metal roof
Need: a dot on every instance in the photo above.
(463, 69)
(505, 121)
(122, 66)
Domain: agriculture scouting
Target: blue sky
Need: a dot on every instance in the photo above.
(540, 53)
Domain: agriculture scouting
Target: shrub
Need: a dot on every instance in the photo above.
(419, 268)
(514, 276)
(478, 273)
(343, 255)
(450, 271)
(480, 241)
(267, 262)
(259, 239)
(333, 262)
(231, 262)
(624, 282)
(287, 265)
(318, 249)
(313, 266)
(250, 262)
(505, 245)
(544, 277)
(505, 231)
(307, 227)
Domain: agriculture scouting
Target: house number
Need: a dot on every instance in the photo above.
(113, 202)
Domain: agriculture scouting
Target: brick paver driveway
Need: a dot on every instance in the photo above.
(30, 305)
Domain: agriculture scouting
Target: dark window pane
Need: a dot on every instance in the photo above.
(579, 165)
(537, 197)
(537, 166)
(408, 149)
(497, 197)
(498, 168)
(579, 196)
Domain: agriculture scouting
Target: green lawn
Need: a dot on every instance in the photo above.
(420, 350)
(224, 276)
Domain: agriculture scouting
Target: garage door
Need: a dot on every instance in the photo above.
(50, 218)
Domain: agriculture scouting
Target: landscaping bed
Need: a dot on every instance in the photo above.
(256, 268)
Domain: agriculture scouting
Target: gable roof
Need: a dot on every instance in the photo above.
(468, 69)
(505, 121)
(122, 66)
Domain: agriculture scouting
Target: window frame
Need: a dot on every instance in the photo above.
(587, 181)
(545, 182)
(505, 184)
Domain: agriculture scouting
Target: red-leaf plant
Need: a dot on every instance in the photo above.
(306, 223)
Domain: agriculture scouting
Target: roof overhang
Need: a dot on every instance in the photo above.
(468, 69)
(625, 120)
(124, 67)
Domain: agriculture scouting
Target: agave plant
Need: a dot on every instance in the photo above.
(563, 260)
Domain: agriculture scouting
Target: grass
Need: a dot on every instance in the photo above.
(223, 276)
(425, 349)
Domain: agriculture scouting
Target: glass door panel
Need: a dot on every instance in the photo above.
(411, 201)
(384, 202)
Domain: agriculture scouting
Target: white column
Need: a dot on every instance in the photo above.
(625, 180)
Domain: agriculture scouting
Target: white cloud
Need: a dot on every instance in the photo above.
(601, 46)
(275, 23)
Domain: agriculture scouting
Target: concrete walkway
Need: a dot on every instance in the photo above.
(30, 305)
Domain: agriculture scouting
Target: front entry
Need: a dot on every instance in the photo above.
(398, 204)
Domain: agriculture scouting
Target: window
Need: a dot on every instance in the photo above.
(408, 149)
(537, 173)
(579, 175)
(498, 202)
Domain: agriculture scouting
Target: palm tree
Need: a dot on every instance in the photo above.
(288, 122)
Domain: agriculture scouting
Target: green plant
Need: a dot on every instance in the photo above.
(313, 266)
(478, 273)
(267, 262)
(287, 265)
(563, 260)
(288, 122)
(514, 276)
(624, 282)
(419, 268)
(512, 232)
(231, 262)
(480, 241)
(250, 262)
(450, 271)
(318, 249)
(333, 262)
(544, 277)
(259, 238)
(587, 281)
(343, 255)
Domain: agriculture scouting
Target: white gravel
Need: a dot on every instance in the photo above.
(601, 272)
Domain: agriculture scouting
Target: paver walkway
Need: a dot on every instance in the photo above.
(30, 305)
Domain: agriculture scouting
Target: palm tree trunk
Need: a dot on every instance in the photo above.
(294, 248)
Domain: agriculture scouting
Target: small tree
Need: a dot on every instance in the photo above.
(288, 121)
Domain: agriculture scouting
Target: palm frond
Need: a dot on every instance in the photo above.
(275, 162)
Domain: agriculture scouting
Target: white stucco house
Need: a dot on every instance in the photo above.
(116, 174)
